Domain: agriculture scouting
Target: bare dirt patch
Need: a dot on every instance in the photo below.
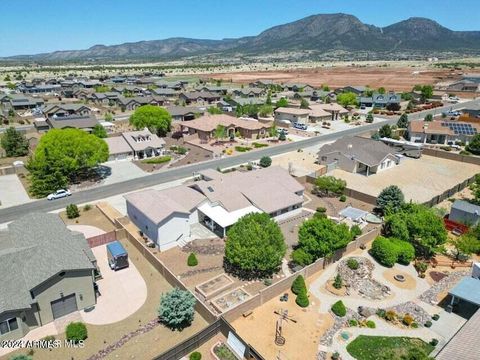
(93, 217)
(409, 283)
(392, 78)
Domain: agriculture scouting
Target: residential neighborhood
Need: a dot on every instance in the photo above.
(308, 191)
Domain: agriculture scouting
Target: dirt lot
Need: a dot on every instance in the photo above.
(298, 163)
(93, 217)
(301, 338)
(149, 344)
(195, 153)
(392, 78)
(420, 179)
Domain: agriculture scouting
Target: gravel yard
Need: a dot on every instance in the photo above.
(420, 179)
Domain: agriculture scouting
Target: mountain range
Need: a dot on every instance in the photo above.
(316, 34)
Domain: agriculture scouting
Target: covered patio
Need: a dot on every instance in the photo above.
(467, 290)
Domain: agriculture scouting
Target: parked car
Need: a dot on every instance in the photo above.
(300, 126)
(285, 131)
(59, 194)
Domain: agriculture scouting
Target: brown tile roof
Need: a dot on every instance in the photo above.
(209, 123)
(292, 111)
(434, 127)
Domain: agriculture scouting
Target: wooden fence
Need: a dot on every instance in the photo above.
(102, 239)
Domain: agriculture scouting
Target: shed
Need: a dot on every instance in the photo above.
(117, 256)
(465, 213)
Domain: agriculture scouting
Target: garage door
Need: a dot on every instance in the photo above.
(64, 306)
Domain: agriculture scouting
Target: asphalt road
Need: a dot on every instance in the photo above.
(167, 175)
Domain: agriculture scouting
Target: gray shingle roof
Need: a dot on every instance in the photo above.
(466, 207)
(35, 248)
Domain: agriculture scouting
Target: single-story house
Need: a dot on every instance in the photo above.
(47, 272)
(214, 89)
(380, 100)
(206, 125)
(135, 144)
(357, 90)
(86, 122)
(217, 201)
(128, 103)
(184, 113)
(291, 115)
(318, 114)
(61, 110)
(442, 132)
(166, 92)
(298, 87)
(358, 155)
(335, 110)
(249, 92)
(465, 213)
(200, 97)
(23, 102)
(240, 101)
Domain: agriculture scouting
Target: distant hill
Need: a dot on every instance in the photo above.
(316, 33)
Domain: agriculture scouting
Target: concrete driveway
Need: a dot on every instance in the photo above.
(12, 191)
(123, 292)
(122, 170)
(87, 230)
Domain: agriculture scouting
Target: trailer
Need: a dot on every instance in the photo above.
(117, 256)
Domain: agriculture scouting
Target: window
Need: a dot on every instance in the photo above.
(8, 325)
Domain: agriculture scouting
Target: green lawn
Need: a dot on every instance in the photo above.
(388, 347)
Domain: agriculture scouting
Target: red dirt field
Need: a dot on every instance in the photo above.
(392, 78)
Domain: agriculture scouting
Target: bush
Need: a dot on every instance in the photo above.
(192, 260)
(302, 299)
(390, 315)
(72, 211)
(265, 161)
(356, 231)
(381, 313)
(321, 209)
(158, 160)
(336, 355)
(177, 309)
(414, 325)
(195, 356)
(76, 331)
(87, 207)
(352, 264)
(22, 357)
(338, 282)
(434, 342)
(352, 322)
(408, 319)
(298, 285)
(343, 198)
(339, 309)
(371, 324)
(428, 324)
(242, 148)
(389, 251)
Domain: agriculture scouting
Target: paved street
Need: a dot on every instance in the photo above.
(168, 175)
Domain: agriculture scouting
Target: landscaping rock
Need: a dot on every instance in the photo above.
(416, 311)
(431, 295)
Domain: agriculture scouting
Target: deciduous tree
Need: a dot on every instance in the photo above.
(155, 118)
(14, 143)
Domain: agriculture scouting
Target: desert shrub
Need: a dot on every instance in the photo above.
(428, 324)
(48, 338)
(72, 211)
(436, 317)
(371, 324)
(384, 251)
(434, 342)
(336, 355)
(339, 309)
(343, 198)
(414, 325)
(267, 282)
(195, 356)
(408, 319)
(356, 231)
(181, 150)
(192, 260)
(381, 313)
(390, 315)
(338, 282)
(242, 148)
(76, 331)
(298, 285)
(302, 299)
(321, 209)
(352, 264)
(87, 207)
(352, 322)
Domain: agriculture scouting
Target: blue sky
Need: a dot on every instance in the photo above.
(34, 26)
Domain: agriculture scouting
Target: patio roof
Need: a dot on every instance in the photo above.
(468, 289)
(224, 218)
(353, 213)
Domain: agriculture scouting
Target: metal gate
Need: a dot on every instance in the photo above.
(64, 306)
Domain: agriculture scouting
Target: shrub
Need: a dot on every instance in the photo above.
(338, 282)
(181, 151)
(195, 356)
(384, 251)
(428, 324)
(22, 357)
(298, 285)
(72, 211)
(381, 313)
(436, 317)
(192, 260)
(339, 309)
(302, 299)
(177, 309)
(343, 198)
(242, 148)
(87, 207)
(371, 324)
(408, 319)
(414, 325)
(257, 145)
(158, 160)
(76, 331)
(321, 209)
(336, 355)
(267, 282)
(390, 315)
(265, 161)
(434, 342)
(352, 264)
(352, 322)
(405, 251)
(356, 231)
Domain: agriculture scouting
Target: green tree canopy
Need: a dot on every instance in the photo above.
(213, 110)
(14, 143)
(99, 131)
(381, 90)
(403, 121)
(326, 185)
(390, 199)
(474, 145)
(426, 92)
(62, 156)
(428, 117)
(265, 161)
(385, 131)
(177, 309)
(155, 118)
(347, 99)
(465, 245)
(282, 103)
(220, 132)
(369, 118)
(304, 104)
(265, 110)
(255, 246)
(320, 237)
(418, 224)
